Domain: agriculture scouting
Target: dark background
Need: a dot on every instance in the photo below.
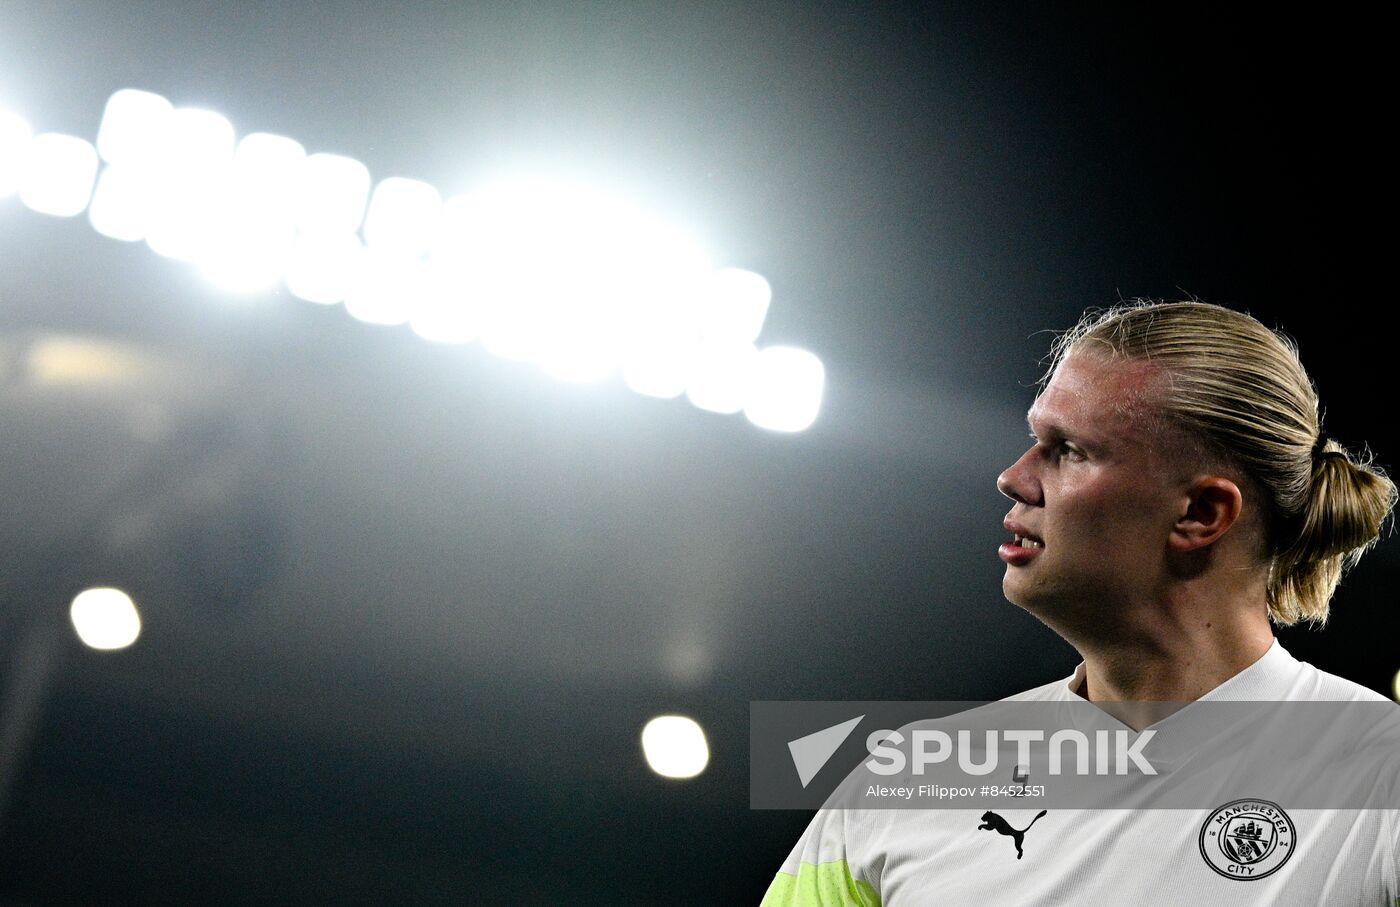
(407, 607)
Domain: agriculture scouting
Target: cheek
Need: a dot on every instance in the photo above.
(1099, 511)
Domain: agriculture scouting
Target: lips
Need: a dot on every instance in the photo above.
(1023, 547)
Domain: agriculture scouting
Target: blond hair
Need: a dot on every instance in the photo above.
(1239, 391)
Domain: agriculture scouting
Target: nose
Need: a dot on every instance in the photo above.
(1019, 482)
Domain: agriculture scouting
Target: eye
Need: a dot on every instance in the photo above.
(1060, 448)
(1067, 451)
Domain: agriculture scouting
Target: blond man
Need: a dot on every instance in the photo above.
(1179, 499)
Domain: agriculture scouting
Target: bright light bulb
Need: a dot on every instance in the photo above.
(675, 746)
(190, 184)
(120, 206)
(661, 357)
(785, 389)
(332, 194)
(248, 244)
(266, 168)
(324, 267)
(134, 127)
(105, 618)
(245, 254)
(719, 378)
(386, 288)
(403, 216)
(1396, 686)
(445, 312)
(58, 174)
(732, 306)
(15, 137)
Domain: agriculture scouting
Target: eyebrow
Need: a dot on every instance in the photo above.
(1051, 428)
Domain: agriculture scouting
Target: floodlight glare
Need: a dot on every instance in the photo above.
(266, 170)
(719, 378)
(332, 194)
(445, 312)
(105, 618)
(661, 352)
(245, 254)
(583, 343)
(537, 269)
(190, 181)
(196, 139)
(121, 203)
(387, 287)
(134, 127)
(656, 376)
(323, 267)
(785, 389)
(15, 137)
(675, 746)
(248, 238)
(403, 216)
(732, 306)
(57, 174)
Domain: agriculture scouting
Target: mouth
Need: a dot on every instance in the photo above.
(1022, 548)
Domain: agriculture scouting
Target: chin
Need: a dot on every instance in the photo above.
(1038, 602)
(1014, 592)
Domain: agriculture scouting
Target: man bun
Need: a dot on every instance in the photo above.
(1347, 505)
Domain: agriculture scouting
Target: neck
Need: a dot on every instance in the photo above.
(1170, 668)
(1173, 651)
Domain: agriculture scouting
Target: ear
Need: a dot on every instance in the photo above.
(1213, 506)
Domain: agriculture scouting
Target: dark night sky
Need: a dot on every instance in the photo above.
(468, 586)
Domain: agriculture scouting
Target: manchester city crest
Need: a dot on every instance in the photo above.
(1247, 839)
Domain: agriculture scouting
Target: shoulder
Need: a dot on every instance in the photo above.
(1054, 691)
(1309, 683)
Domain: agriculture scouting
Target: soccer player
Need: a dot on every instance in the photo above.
(1180, 497)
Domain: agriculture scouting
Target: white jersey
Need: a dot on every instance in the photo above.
(968, 858)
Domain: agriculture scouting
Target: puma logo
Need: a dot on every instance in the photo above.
(992, 822)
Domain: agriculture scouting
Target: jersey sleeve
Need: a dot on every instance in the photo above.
(821, 870)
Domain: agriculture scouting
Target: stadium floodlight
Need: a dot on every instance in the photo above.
(250, 236)
(386, 288)
(537, 269)
(675, 746)
(403, 216)
(733, 305)
(57, 174)
(332, 193)
(661, 350)
(583, 341)
(105, 618)
(266, 170)
(245, 253)
(785, 389)
(324, 266)
(566, 277)
(134, 127)
(15, 136)
(189, 178)
(134, 140)
(719, 377)
(122, 203)
(445, 311)
(656, 374)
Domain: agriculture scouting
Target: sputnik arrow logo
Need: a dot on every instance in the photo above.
(810, 753)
